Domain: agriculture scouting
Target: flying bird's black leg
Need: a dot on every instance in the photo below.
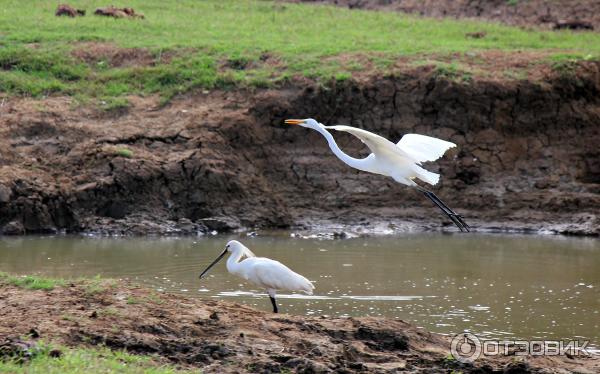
(456, 218)
(274, 304)
(446, 212)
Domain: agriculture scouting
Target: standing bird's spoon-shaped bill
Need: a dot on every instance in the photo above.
(266, 273)
(401, 161)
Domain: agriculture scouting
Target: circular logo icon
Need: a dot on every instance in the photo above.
(465, 348)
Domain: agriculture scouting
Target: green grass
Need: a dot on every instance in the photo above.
(87, 360)
(92, 286)
(124, 152)
(209, 44)
(31, 282)
(114, 103)
(97, 284)
(133, 300)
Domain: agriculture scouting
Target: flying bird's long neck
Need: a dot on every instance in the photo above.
(349, 160)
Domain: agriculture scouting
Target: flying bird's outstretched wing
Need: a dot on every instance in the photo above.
(423, 148)
(376, 143)
(408, 154)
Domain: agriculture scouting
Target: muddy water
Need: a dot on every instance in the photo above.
(493, 285)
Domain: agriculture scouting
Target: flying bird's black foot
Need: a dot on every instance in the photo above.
(455, 218)
(461, 221)
(275, 310)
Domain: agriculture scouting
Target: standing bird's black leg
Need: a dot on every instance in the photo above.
(274, 304)
(456, 218)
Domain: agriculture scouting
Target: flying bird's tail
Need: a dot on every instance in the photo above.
(426, 175)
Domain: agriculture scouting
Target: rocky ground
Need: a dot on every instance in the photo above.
(545, 14)
(527, 157)
(221, 337)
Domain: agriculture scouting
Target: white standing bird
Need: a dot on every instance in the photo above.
(401, 161)
(269, 274)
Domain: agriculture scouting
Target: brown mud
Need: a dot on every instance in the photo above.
(527, 156)
(545, 14)
(67, 10)
(222, 337)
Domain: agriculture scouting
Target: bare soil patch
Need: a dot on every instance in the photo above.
(222, 337)
(492, 65)
(546, 14)
(114, 56)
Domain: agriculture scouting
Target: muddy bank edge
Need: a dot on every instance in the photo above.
(527, 158)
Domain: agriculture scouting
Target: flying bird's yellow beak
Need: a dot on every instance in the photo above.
(293, 121)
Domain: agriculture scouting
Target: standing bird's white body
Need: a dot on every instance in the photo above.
(266, 273)
(401, 161)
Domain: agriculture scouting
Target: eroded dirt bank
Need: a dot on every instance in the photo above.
(222, 337)
(547, 14)
(527, 157)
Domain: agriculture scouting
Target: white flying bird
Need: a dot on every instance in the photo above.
(269, 274)
(401, 161)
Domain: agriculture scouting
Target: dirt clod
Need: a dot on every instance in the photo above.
(33, 333)
(476, 35)
(67, 10)
(517, 368)
(19, 350)
(573, 25)
(118, 12)
(382, 339)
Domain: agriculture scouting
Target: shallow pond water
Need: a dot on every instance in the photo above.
(530, 287)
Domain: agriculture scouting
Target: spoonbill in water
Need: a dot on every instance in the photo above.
(269, 274)
(400, 161)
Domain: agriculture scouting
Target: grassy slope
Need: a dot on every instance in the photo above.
(86, 360)
(76, 360)
(207, 33)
